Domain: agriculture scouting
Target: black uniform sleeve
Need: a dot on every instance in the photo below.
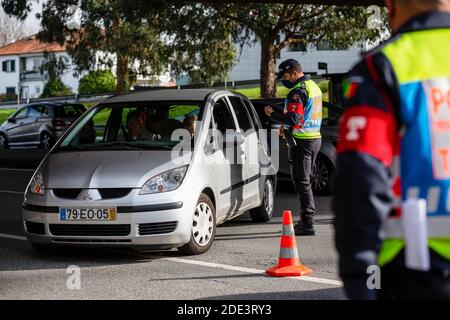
(296, 101)
(362, 185)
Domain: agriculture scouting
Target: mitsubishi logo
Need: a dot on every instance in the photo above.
(89, 195)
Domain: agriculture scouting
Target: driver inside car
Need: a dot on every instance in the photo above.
(136, 127)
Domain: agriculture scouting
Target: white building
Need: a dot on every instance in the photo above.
(20, 64)
(248, 66)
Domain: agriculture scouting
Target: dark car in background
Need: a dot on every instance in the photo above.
(40, 124)
(325, 164)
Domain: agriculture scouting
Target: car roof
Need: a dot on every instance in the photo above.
(162, 95)
(52, 104)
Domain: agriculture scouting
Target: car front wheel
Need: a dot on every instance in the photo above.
(203, 228)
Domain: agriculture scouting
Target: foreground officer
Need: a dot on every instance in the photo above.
(394, 149)
(303, 115)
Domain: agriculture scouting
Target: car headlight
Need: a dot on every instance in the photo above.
(37, 184)
(164, 182)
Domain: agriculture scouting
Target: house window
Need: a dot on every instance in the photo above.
(325, 45)
(10, 90)
(37, 63)
(9, 66)
(38, 90)
(297, 47)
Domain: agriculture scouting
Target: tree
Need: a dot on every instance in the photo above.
(200, 45)
(11, 29)
(149, 35)
(114, 28)
(277, 26)
(54, 67)
(99, 81)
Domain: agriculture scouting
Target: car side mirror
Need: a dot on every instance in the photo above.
(12, 120)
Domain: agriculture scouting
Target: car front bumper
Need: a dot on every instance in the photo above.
(161, 223)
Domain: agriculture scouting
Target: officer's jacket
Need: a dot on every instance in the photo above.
(394, 144)
(303, 109)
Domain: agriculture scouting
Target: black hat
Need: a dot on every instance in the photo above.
(287, 66)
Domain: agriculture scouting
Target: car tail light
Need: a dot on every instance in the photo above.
(58, 122)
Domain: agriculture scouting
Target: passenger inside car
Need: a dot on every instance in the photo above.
(190, 124)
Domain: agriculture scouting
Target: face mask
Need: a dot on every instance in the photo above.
(288, 84)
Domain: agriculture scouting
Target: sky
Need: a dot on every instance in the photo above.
(32, 23)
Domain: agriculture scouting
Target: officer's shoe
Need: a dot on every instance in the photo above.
(302, 229)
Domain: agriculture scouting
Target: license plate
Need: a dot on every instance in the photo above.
(87, 214)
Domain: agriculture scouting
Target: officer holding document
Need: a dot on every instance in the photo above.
(392, 187)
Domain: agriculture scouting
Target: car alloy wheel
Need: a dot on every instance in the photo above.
(3, 142)
(264, 212)
(203, 224)
(268, 197)
(46, 141)
(321, 177)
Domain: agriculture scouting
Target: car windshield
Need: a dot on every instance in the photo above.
(133, 126)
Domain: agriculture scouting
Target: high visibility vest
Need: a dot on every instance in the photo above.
(422, 66)
(311, 122)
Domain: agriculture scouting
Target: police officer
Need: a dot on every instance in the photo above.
(303, 115)
(395, 148)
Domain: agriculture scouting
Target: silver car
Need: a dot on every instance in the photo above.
(152, 170)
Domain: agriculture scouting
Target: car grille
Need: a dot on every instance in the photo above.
(35, 228)
(145, 229)
(88, 230)
(110, 193)
(114, 193)
(67, 193)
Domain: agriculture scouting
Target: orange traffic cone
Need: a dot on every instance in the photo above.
(288, 262)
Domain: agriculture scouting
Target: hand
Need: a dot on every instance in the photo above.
(268, 111)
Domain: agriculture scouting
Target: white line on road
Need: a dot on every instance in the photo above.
(217, 266)
(13, 192)
(250, 270)
(12, 169)
(10, 236)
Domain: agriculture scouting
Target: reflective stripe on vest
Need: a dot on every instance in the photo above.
(421, 166)
(310, 129)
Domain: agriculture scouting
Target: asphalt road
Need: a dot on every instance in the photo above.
(232, 269)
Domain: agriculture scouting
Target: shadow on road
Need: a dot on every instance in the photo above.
(320, 294)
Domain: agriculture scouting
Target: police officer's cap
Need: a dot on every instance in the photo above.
(288, 66)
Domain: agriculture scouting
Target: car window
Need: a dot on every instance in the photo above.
(241, 114)
(69, 110)
(44, 111)
(222, 117)
(99, 122)
(34, 113)
(253, 114)
(134, 125)
(22, 114)
(331, 114)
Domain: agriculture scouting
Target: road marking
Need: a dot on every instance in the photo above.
(250, 270)
(12, 169)
(13, 192)
(10, 236)
(216, 266)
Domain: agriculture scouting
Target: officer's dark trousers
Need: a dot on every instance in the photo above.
(304, 155)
